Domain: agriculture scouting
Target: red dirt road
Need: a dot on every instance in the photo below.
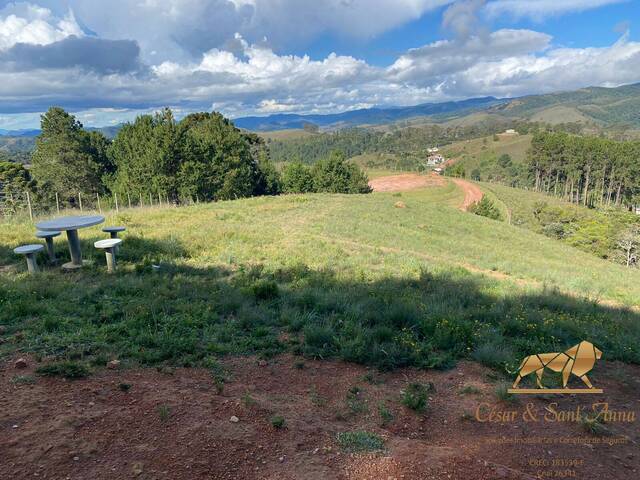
(405, 182)
(472, 193)
(174, 425)
(412, 181)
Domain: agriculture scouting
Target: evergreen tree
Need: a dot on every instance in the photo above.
(297, 178)
(336, 175)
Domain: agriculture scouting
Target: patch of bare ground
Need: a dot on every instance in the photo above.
(472, 193)
(405, 182)
(174, 424)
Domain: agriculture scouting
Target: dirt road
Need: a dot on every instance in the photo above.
(405, 182)
(173, 424)
(472, 193)
(412, 181)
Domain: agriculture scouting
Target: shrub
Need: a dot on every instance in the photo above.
(278, 421)
(415, 396)
(493, 355)
(486, 208)
(66, 369)
(264, 289)
(297, 178)
(359, 441)
(335, 175)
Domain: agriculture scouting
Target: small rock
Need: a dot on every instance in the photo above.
(400, 205)
(14, 426)
(20, 363)
(262, 363)
(137, 469)
(75, 459)
(113, 364)
(281, 459)
(234, 419)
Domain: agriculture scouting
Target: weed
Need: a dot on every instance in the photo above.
(248, 400)
(415, 397)
(502, 393)
(355, 401)
(23, 380)
(469, 389)
(359, 441)
(594, 425)
(299, 365)
(386, 417)
(164, 412)
(278, 421)
(66, 369)
(316, 399)
(125, 387)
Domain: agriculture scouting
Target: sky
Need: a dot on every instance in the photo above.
(108, 61)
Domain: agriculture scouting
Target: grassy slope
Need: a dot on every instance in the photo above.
(475, 153)
(345, 276)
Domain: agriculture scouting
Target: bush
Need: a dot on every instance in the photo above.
(360, 441)
(493, 355)
(265, 289)
(415, 396)
(278, 421)
(335, 175)
(71, 370)
(297, 178)
(486, 208)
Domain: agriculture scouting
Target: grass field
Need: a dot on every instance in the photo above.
(326, 276)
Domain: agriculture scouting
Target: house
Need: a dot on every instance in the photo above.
(433, 150)
(438, 171)
(434, 160)
(510, 131)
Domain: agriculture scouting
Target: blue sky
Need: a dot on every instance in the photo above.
(110, 61)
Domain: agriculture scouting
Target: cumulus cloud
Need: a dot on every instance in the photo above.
(184, 59)
(31, 24)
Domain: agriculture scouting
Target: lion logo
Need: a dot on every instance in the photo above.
(578, 360)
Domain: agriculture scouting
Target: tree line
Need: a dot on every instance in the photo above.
(592, 171)
(201, 157)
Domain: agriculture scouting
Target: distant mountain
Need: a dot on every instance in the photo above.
(603, 106)
(369, 116)
(19, 133)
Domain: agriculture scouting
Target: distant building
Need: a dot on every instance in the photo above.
(433, 150)
(438, 171)
(510, 131)
(434, 160)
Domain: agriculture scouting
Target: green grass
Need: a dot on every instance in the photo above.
(348, 277)
(360, 441)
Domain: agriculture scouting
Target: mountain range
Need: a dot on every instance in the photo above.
(599, 106)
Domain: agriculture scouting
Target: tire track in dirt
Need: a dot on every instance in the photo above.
(472, 193)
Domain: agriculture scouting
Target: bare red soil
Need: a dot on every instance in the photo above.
(175, 425)
(405, 182)
(472, 193)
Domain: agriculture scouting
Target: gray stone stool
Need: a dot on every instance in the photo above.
(114, 231)
(109, 246)
(30, 251)
(48, 237)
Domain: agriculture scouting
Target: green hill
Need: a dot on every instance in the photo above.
(350, 277)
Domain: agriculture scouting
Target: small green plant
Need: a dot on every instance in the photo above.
(264, 289)
(355, 400)
(594, 425)
(486, 208)
(248, 400)
(469, 389)
(359, 441)
(386, 417)
(415, 397)
(66, 369)
(278, 421)
(125, 387)
(164, 412)
(372, 378)
(502, 393)
(23, 380)
(316, 399)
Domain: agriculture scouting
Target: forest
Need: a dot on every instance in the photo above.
(591, 171)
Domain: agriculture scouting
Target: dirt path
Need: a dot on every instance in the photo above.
(173, 424)
(405, 182)
(472, 193)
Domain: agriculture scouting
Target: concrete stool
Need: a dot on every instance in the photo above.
(113, 231)
(48, 237)
(30, 252)
(109, 246)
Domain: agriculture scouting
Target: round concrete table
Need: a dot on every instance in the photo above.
(71, 225)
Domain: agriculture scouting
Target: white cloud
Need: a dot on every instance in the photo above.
(539, 9)
(26, 23)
